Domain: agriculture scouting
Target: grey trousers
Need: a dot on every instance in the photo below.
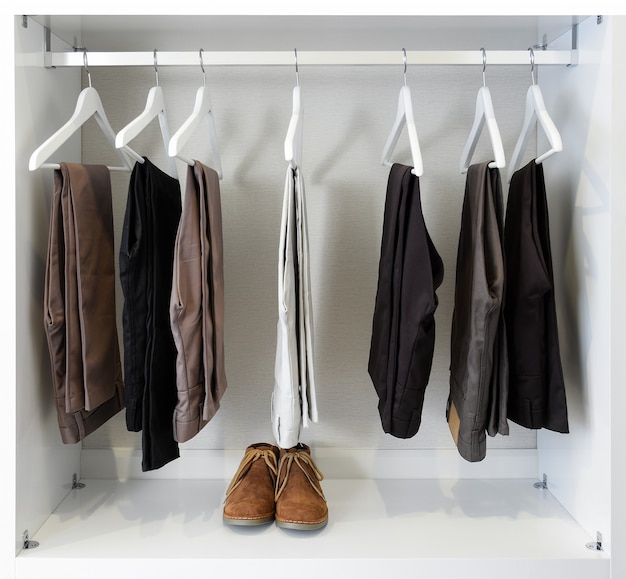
(477, 404)
(197, 304)
(79, 301)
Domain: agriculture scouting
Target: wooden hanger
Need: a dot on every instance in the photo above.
(404, 116)
(88, 105)
(483, 115)
(155, 108)
(293, 140)
(535, 111)
(201, 111)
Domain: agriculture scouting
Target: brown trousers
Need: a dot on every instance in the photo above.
(79, 301)
(197, 304)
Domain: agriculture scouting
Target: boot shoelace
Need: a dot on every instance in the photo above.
(252, 455)
(300, 459)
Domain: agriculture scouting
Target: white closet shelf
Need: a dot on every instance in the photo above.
(310, 57)
(427, 528)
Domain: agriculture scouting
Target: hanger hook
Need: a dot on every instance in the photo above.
(86, 66)
(404, 60)
(295, 52)
(484, 65)
(532, 64)
(156, 69)
(202, 65)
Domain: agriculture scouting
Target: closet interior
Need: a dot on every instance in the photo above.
(540, 504)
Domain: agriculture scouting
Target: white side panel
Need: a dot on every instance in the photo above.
(618, 303)
(578, 183)
(7, 294)
(44, 101)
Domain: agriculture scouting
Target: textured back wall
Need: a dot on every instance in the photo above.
(348, 114)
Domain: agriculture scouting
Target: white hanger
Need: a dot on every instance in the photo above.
(293, 140)
(484, 115)
(155, 107)
(88, 104)
(404, 116)
(535, 111)
(201, 111)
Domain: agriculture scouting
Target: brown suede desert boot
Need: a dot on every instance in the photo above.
(250, 495)
(300, 502)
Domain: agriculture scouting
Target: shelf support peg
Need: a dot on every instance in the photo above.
(597, 544)
(75, 484)
(27, 543)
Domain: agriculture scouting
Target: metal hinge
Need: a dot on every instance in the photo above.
(24, 21)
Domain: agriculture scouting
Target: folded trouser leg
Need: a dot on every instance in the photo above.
(213, 287)
(286, 409)
(477, 354)
(79, 303)
(197, 305)
(146, 256)
(403, 327)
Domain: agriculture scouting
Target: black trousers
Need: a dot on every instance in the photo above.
(403, 332)
(146, 259)
(536, 385)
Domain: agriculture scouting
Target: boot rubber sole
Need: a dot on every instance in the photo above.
(247, 522)
(301, 526)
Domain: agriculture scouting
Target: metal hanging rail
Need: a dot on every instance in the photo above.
(310, 58)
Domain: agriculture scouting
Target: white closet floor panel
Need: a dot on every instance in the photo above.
(376, 528)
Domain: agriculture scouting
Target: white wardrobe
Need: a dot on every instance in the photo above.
(406, 507)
